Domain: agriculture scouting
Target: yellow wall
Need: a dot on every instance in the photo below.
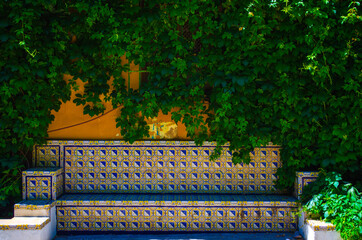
(70, 123)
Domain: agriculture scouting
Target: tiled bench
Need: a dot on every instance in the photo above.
(158, 186)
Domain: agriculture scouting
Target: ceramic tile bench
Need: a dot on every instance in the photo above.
(158, 186)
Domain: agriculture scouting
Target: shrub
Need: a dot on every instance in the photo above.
(331, 199)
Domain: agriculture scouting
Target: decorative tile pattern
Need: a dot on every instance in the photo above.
(42, 183)
(161, 167)
(301, 180)
(47, 156)
(176, 212)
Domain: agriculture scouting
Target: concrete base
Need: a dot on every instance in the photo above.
(310, 233)
(317, 230)
(29, 228)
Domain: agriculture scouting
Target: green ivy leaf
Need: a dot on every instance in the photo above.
(241, 81)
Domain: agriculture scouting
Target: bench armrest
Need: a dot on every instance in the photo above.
(43, 183)
(301, 180)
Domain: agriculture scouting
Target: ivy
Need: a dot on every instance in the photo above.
(243, 72)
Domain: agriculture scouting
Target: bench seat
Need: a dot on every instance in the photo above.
(176, 212)
(133, 199)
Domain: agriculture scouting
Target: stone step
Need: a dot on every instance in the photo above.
(34, 219)
(24, 223)
(176, 212)
(33, 208)
(37, 228)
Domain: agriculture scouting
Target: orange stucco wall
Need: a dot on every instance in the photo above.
(70, 123)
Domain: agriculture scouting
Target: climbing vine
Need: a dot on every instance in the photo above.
(243, 72)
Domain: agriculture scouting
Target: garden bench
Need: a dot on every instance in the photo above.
(157, 186)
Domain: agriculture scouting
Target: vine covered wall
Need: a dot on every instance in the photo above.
(243, 72)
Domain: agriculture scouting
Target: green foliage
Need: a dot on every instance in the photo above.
(244, 72)
(31, 84)
(336, 201)
(10, 185)
(249, 72)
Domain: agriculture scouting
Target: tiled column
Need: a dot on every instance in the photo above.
(42, 183)
(302, 179)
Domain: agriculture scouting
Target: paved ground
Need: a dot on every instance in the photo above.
(187, 236)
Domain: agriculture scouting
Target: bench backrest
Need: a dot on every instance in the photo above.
(156, 167)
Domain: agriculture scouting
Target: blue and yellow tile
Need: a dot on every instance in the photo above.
(301, 180)
(42, 183)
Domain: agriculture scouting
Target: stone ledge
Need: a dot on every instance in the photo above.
(35, 204)
(32, 225)
(317, 225)
(33, 208)
(24, 223)
(317, 230)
